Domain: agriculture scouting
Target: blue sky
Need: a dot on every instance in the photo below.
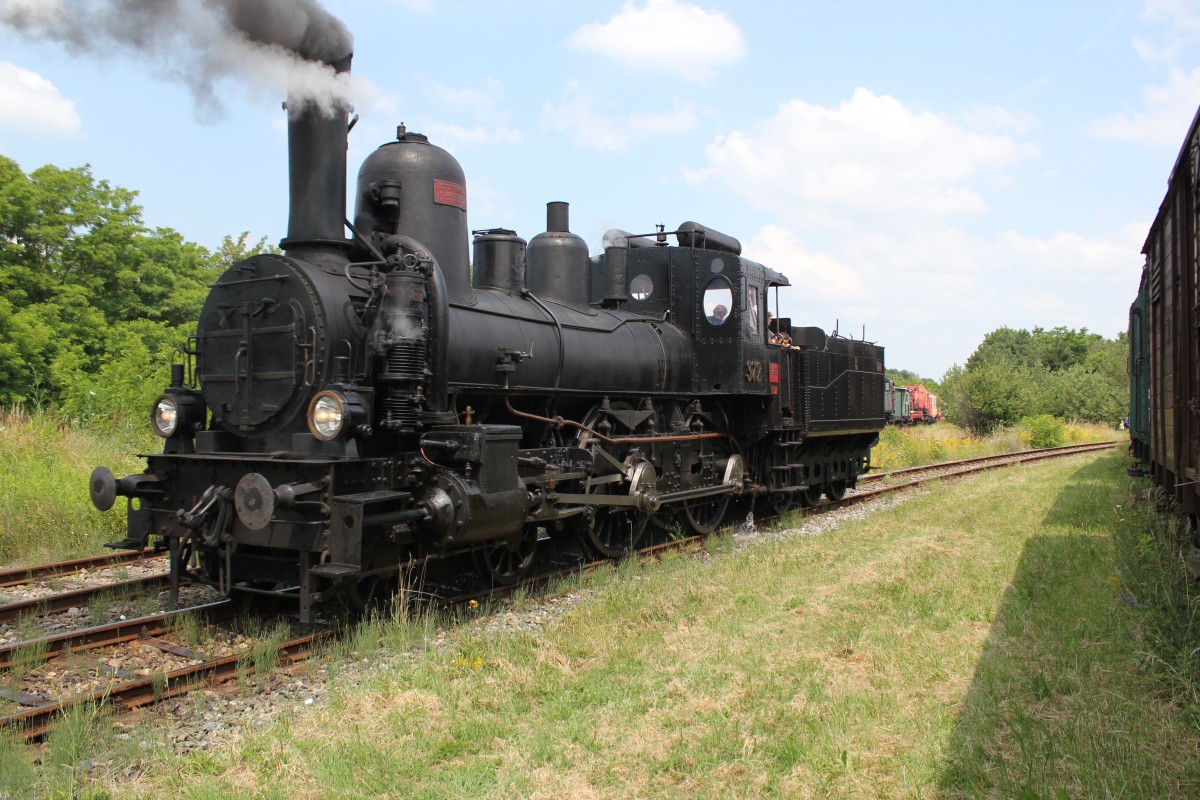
(928, 171)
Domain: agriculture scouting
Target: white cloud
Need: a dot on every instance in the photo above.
(575, 114)
(448, 134)
(1170, 106)
(31, 104)
(1178, 23)
(1181, 17)
(484, 105)
(680, 119)
(665, 35)
(930, 295)
(1068, 255)
(490, 202)
(870, 154)
(482, 99)
(1164, 122)
(998, 118)
(821, 275)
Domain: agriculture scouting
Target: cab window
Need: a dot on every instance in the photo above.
(753, 306)
(718, 299)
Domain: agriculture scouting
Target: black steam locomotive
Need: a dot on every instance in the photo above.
(357, 405)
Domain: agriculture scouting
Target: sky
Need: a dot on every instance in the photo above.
(923, 172)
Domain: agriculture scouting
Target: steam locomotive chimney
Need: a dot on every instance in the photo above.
(558, 215)
(317, 176)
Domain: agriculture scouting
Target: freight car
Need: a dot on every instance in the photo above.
(1139, 382)
(923, 405)
(1164, 369)
(358, 405)
(897, 403)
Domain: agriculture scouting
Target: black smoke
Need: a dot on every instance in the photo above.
(280, 45)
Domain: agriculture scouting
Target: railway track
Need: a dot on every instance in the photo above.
(982, 463)
(58, 602)
(125, 691)
(17, 576)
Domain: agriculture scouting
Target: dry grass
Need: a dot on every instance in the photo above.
(918, 445)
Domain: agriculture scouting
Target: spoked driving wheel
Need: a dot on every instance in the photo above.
(616, 531)
(705, 515)
(507, 561)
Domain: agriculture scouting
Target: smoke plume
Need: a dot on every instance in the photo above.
(277, 45)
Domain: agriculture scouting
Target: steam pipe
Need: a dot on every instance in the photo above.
(439, 331)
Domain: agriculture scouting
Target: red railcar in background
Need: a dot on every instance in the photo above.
(924, 405)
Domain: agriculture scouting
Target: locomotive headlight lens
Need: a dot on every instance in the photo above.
(165, 415)
(326, 415)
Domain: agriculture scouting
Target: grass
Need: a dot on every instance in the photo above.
(983, 639)
(189, 629)
(25, 659)
(1163, 601)
(918, 445)
(45, 463)
(263, 657)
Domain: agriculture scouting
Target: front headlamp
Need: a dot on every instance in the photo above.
(164, 416)
(327, 415)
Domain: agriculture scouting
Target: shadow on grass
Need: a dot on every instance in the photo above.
(1088, 497)
(1057, 707)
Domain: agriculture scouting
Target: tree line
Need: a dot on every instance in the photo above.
(1016, 374)
(94, 305)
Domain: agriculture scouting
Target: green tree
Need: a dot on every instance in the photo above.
(904, 377)
(1065, 373)
(1061, 348)
(92, 302)
(1003, 345)
(994, 395)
